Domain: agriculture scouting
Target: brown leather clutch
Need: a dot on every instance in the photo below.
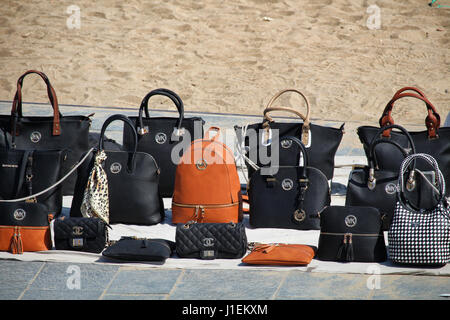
(280, 254)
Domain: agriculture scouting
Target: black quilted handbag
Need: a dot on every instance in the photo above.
(211, 240)
(434, 141)
(321, 142)
(159, 136)
(80, 234)
(132, 183)
(140, 249)
(351, 234)
(56, 132)
(288, 196)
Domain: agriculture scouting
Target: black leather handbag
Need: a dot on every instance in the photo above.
(211, 240)
(351, 234)
(140, 249)
(55, 132)
(80, 234)
(27, 172)
(288, 196)
(132, 183)
(160, 136)
(24, 227)
(321, 142)
(434, 141)
(370, 186)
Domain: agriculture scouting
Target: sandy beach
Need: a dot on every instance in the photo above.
(231, 56)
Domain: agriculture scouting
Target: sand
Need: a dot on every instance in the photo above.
(231, 56)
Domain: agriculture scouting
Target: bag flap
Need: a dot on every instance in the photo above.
(351, 219)
(221, 237)
(133, 249)
(75, 227)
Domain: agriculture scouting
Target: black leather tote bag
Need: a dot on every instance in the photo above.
(55, 132)
(434, 141)
(321, 142)
(27, 172)
(211, 240)
(351, 234)
(159, 136)
(132, 183)
(288, 196)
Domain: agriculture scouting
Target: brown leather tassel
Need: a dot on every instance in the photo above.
(16, 242)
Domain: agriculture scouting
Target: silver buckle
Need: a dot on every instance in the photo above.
(77, 242)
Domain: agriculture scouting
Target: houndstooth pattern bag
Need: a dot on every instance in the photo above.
(420, 236)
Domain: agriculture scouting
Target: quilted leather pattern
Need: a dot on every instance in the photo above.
(92, 231)
(211, 240)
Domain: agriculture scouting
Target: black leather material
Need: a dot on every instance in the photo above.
(211, 240)
(23, 214)
(134, 249)
(324, 144)
(35, 132)
(159, 139)
(390, 158)
(132, 183)
(26, 172)
(351, 234)
(80, 234)
(380, 189)
(289, 198)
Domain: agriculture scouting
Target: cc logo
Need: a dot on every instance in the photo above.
(77, 231)
(208, 242)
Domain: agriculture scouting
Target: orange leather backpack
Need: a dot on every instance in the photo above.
(207, 187)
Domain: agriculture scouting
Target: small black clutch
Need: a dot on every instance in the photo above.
(80, 234)
(140, 249)
(211, 240)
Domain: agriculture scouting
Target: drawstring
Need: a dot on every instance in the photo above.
(16, 242)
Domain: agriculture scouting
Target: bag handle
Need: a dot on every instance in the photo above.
(372, 159)
(303, 152)
(432, 121)
(16, 110)
(404, 168)
(306, 120)
(210, 130)
(175, 99)
(416, 90)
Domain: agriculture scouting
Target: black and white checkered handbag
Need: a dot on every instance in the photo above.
(420, 236)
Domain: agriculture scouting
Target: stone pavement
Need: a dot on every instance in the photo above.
(58, 281)
(64, 281)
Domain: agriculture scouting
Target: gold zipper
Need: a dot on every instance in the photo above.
(23, 227)
(353, 234)
(205, 206)
(202, 208)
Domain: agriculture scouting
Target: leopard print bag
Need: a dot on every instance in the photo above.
(95, 200)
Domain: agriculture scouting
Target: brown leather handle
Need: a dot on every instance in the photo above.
(269, 107)
(211, 129)
(16, 110)
(418, 91)
(432, 121)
